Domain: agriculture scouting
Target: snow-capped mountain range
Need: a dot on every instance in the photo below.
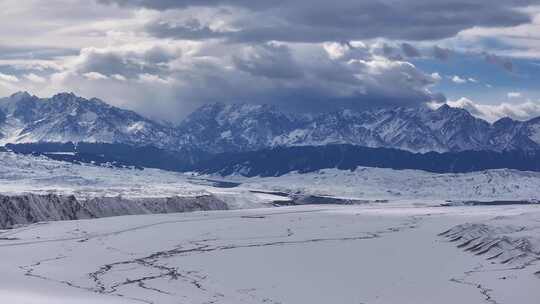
(66, 117)
(222, 128)
(217, 128)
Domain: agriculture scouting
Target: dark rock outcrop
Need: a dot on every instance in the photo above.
(32, 208)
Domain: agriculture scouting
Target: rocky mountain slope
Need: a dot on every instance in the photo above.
(231, 128)
(66, 117)
(217, 128)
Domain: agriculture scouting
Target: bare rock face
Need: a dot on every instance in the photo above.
(32, 208)
(116, 206)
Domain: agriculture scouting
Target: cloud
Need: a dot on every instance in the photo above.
(163, 58)
(494, 112)
(171, 4)
(95, 76)
(272, 61)
(458, 80)
(305, 78)
(26, 52)
(505, 63)
(35, 78)
(409, 50)
(119, 77)
(8, 78)
(441, 53)
(123, 63)
(514, 95)
(462, 80)
(191, 29)
(390, 52)
(343, 20)
(113, 62)
(151, 78)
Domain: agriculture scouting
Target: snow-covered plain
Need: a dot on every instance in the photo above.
(40, 175)
(20, 174)
(400, 246)
(28, 174)
(303, 254)
(410, 185)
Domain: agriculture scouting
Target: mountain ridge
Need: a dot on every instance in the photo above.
(220, 128)
(66, 117)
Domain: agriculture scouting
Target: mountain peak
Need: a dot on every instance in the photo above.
(505, 121)
(64, 95)
(20, 95)
(444, 107)
(67, 117)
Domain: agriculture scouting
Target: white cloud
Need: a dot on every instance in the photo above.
(336, 50)
(151, 78)
(118, 77)
(35, 78)
(458, 80)
(514, 95)
(8, 77)
(436, 76)
(95, 76)
(493, 112)
(461, 80)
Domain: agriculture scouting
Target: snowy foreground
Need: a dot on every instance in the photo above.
(398, 244)
(372, 253)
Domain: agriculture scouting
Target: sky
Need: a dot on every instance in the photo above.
(165, 58)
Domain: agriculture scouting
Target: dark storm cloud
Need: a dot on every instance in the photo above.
(157, 55)
(441, 53)
(126, 64)
(190, 30)
(268, 61)
(270, 74)
(267, 73)
(409, 50)
(391, 52)
(343, 20)
(171, 4)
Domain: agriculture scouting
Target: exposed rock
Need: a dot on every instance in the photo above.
(31, 208)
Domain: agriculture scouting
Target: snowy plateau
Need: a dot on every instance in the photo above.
(369, 235)
(84, 229)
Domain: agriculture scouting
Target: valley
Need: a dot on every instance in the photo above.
(306, 254)
(259, 206)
